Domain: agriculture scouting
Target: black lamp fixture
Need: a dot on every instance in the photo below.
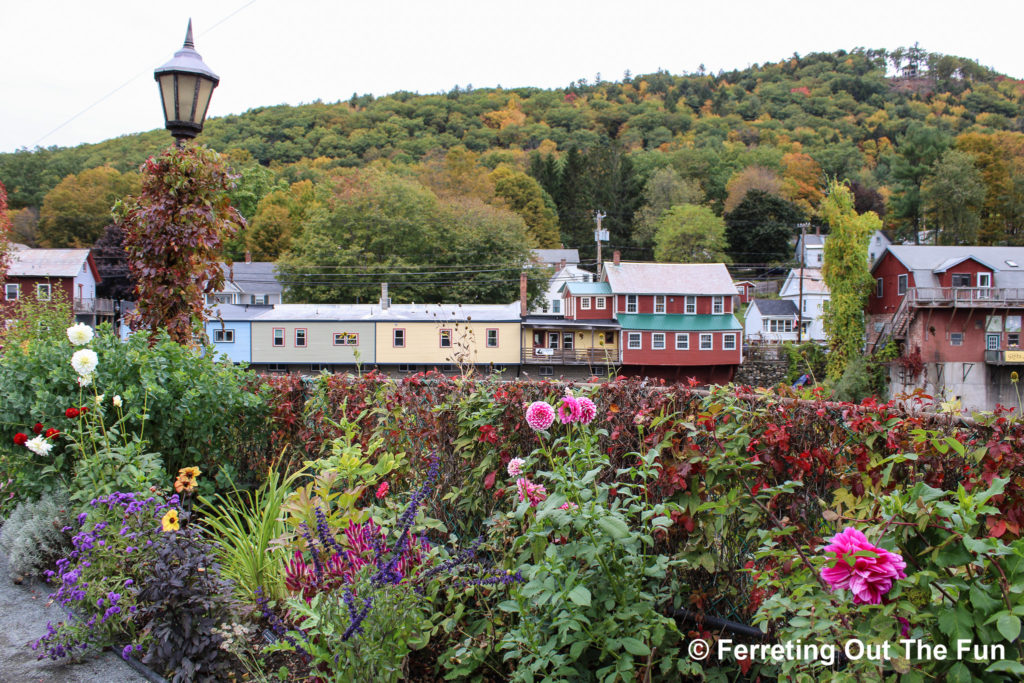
(186, 84)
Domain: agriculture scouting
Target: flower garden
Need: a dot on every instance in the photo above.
(216, 525)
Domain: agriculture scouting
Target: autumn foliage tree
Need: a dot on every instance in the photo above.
(174, 234)
(5, 234)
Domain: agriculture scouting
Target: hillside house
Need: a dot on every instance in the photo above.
(39, 273)
(809, 300)
(770, 321)
(252, 283)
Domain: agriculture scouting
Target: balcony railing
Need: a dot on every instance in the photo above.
(549, 356)
(965, 296)
(1005, 357)
(94, 306)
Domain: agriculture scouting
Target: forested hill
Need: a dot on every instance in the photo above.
(900, 126)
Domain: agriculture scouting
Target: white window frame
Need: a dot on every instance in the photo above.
(260, 299)
(683, 337)
(398, 338)
(556, 306)
(717, 305)
(729, 341)
(690, 305)
(441, 337)
(993, 342)
(553, 340)
(305, 337)
(902, 282)
(223, 336)
(600, 303)
(657, 341)
(487, 337)
(632, 306)
(707, 341)
(584, 303)
(985, 278)
(956, 338)
(8, 288)
(660, 307)
(40, 288)
(634, 341)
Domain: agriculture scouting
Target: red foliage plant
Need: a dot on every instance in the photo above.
(174, 233)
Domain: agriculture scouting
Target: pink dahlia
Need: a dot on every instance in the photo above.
(865, 569)
(588, 411)
(569, 409)
(515, 467)
(535, 493)
(540, 415)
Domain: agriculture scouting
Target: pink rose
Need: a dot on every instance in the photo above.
(864, 569)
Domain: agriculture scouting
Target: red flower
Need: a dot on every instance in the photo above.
(84, 409)
(383, 489)
(20, 439)
(38, 427)
(51, 432)
(71, 412)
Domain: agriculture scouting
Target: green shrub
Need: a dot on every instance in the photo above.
(33, 535)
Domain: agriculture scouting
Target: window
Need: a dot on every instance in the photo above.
(567, 341)
(901, 284)
(398, 337)
(706, 342)
(717, 305)
(12, 291)
(1013, 340)
(631, 303)
(956, 339)
(406, 368)
(729, 342)
(778, 324)
(634, 340)
(584, 303)
(300, 336)
(492, 338)
(690, 305)
(224, 336)
(805, 305)
(445, 339)
(820, 257)
(658, 340)
(278, 336)
(961, 279)
(346, 339)
(260, 299)
(659, 303)
(600, 301)
(546, 371)
(556, 306)
(879, 289)
(43, 292)
(552, 340)
(682, 341)
(224, 298)
(992, 342)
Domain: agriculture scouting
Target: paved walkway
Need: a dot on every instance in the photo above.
(23, 617)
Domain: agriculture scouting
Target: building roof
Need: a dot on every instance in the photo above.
(925, 262)
(255, 277)
(586, 324)
(48, 262)
(776, 307)
(229, 312)
(630, 277)
(814, 282)
(395, 313)
(587, 288)
(317, 313)
(673, 322)
(555, 256)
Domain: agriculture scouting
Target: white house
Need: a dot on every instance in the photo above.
(552, 304)
(770, 321)
(810, 302)
(813, 248)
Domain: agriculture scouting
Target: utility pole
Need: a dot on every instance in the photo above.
(599, 234)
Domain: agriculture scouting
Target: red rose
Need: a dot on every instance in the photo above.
(38, 427)
(20, 439)
(71, 412)
(51, 432)
(84, 409)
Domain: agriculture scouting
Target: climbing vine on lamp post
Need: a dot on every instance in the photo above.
(174, 235)
(847, 275)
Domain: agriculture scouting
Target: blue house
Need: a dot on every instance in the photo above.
(229, 330)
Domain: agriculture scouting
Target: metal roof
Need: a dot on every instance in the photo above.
(47, 262)
(547, 321)
(923, 261)
(585, 288)
(630, 277)
(555, 256)
(776, 307)
(394, 313)
(678, 323)
(255, 277)
(229, 312)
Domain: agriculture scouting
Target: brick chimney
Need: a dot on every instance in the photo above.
(523, 305)
(616, 257)
(248, 256)
(561, 264)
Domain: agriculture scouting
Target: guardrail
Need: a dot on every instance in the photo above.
(965, 296)
(97, 306)
(551, 356)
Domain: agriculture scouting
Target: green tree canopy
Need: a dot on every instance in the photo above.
(664, 189)
(75, 212)
(690, 234)
(761, 228)
(525, 197)
(953, 197)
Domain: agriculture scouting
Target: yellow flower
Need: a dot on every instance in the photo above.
(186, 480)
(1014, 377)
(170, 521)
(191, 472)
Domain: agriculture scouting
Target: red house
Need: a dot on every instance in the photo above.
(39, 273)
(955, 313)
(676, 319)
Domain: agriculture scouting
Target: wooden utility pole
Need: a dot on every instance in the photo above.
(599, 234)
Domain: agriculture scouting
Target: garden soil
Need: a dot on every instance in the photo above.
(23, 617)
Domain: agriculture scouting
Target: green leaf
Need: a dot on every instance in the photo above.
(635, 647)
(1006, 666)
(1009, 626)
(580, 595)
(982, 601)
(959, 673)
(614, 527)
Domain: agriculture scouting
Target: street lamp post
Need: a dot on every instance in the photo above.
(186, 84)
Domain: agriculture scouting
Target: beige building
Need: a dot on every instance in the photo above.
(314, 337)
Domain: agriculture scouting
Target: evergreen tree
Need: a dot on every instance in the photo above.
(761, 228)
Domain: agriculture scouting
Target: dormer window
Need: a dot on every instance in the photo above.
(961, 280)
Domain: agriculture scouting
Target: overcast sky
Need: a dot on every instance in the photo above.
(60, 59)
